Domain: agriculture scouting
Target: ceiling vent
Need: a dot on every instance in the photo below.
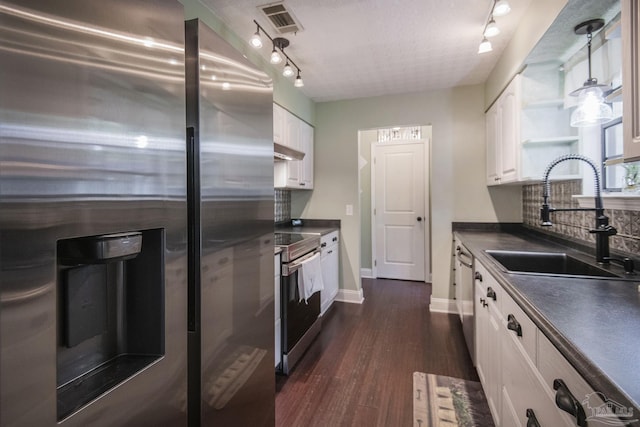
(282, 19)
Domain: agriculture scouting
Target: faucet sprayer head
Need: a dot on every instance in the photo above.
(544, 216)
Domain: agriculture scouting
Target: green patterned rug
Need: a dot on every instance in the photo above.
(446, 401)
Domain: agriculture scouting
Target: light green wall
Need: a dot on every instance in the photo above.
(457, 119)
(284, 93)
(537, 19)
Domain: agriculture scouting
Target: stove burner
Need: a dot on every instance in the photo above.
(294, 245)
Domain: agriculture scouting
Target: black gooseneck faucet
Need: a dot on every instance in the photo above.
(602, 229)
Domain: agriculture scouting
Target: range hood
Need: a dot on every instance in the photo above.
(281, 152)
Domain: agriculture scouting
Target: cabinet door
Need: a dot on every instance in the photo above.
(523, 388)
(631, 78)
(278, 124)
(306, 165)
(492, 135)
(292, 138)
(509, 126)
(330, 275)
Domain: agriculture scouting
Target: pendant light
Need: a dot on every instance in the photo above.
(592, 110)
(298, 82)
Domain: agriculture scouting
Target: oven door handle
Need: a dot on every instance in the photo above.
(292, 267)
(460, 254)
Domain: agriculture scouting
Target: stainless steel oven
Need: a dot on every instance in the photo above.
(300, 321)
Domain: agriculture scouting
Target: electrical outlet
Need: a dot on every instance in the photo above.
(349, 210)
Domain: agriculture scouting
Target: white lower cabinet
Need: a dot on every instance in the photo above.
(329, 259)
(488, 299)
(521, 371)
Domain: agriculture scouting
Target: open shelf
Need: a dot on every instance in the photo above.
(558, 140)
(544, 103)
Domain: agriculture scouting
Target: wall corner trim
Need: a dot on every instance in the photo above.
(442, 305)
(352, 297)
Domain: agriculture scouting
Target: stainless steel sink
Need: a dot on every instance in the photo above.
(546, 263)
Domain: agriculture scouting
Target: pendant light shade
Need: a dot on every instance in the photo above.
(485, 46)
(276, 58)
(287, 70)
(592, 110)
(298, 82)
(492, 29)
(256, 40)
(501, 8)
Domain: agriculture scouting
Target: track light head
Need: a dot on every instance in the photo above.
(501, 8)
(492, 29)
(256, 40)
(287, 71)
(298, 82)
(485, 46)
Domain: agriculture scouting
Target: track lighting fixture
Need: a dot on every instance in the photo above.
(592, 110)
(498, 8)
(501, 8)
(279, 44)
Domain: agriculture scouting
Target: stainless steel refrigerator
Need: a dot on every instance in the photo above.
(111, 267)
(231, 306)
(93, 213)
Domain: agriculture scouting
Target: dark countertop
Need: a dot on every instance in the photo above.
(310, 226)
(594, 323)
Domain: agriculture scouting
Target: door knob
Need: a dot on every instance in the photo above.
(419, 218)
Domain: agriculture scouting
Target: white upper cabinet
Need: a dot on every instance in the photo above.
(631, 78)
(306, 165)
(278, 124)
(298, 135)
(527, 127)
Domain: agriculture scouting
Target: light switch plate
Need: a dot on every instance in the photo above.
(349, 209)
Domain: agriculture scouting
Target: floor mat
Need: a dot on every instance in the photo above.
(446, 401)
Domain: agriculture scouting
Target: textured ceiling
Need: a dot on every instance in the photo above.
(360, 48)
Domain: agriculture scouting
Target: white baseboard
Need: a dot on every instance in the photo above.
(367, 273)
(442, 305)
(354, 297)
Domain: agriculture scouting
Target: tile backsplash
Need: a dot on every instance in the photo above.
(282, 205)
(576, 225)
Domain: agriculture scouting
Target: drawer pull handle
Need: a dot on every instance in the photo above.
(491, 293)
(532, 421)
(568, 403)
(478, 276)
(513, 325)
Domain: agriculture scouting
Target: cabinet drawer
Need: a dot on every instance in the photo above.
(332, 238)
(523, 389)
(489, 287)
(552, 365)
(525, 330)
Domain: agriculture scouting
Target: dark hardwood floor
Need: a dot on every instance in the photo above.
(358, 372)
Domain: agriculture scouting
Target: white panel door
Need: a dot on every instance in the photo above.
(399, 211)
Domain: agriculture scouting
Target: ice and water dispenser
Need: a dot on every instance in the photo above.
(110, 318)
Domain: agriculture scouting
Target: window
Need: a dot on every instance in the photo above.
(613, 171)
